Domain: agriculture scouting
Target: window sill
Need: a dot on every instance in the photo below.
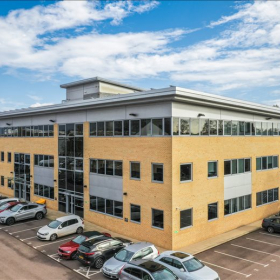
(213, 177)
(268, 169)
(267, 203)
(187, 181)
(157, 182)
(158, 228)
(214, 219)
(135, 179)
(134, 222)
(238, 212)
(186, 227)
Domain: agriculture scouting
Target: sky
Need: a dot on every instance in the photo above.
(227, 48)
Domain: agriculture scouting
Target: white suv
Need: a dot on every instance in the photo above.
(60, 227)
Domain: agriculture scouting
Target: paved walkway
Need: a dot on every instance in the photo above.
(192, 249)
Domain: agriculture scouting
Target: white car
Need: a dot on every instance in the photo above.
(60, 227)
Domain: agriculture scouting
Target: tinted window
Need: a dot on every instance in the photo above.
(124, 255)
(136, 273)
(177, 264)
(193, 265)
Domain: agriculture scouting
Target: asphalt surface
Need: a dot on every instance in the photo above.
(255, 256)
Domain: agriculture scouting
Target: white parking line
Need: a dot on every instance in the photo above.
(21, 224)
(28, 238)
(84, 269)
(264, 265)
(50, 243)
(255, 250)
(246, 275)
(24, 230)
(263, 242)
(269, 234)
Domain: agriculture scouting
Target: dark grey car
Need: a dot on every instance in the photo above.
(23, 211)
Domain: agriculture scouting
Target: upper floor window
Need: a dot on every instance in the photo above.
(267, 162)
(135, 170)
(43, 160)
(106, 167)
(2, 156)
(9, 157)
(236, 166)
(186, 172)
(157, 172)
(212, 169)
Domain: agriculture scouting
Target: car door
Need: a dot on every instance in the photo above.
(31, 212)
(179, 269)
(276, 225)
(63, 229)
(72, 226)
(21, 213)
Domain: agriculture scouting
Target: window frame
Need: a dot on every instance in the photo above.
(152, 173)
(187, 163)
(191, 218)
(213, 219)
(153, 219)
(133, 221)
(217, 166)
(130, 177)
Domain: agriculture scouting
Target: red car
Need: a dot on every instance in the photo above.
(69, 250)
(8, 205)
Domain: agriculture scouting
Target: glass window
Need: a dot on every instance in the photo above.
(185, 126)
(248, 128)
(175, 126)
(241, 166)
(79, 127)
(213, 127)
(275, 129)
(70, 129)
(241, 128)
(247, 201)
(241, 203)
(269, 162)
(79, 164)
(109, 167)
(204, 127)
(247, 164)
(93, 166)
(118, 209)
(227, 167)
(193, 265)
(220, 127)
(118, 168)
(212, 211)
(100, 129)
(167, 126)
(157, 127)
(135, 213)
(227, 207)
(264, 163)
(212, 169)
(109, 128)
(46, 161)
(185, 218)
(109, 207)
(79, 147)
(234, 166)
(227, 127)
(51, 130)
(101, 166)
(270, 195)
(157, 218)
(259, 198)
(269, 128)
(46, 130)
(275, 161)
(234, 205)
(258, 126)
(118, 128)
(135, 170)
(275, 193)
(92, 129)
(194, 126)
(101, 204)
(259, 163)
(264, 128)
(157, 172)
(93, 203)
(135, 127)
(186, 172)
(146, 129)
(126, 128)
(234, 128)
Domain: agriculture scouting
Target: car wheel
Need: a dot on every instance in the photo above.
(39, 216)
(79, 230)
(73, 256)
(98, 263)
(270, 229)
(53, 237)
(10, 221)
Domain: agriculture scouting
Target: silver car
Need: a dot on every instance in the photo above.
(8, 199)
(140, 250)
(23, 211)
(146, 270)
(186, 266)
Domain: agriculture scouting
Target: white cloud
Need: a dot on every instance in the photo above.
(40, 104)
(34, 97)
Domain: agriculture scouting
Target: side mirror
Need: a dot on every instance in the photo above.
(182, 269)
(60, 227)
(19, 211)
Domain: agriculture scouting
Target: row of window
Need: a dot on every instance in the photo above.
(44, 191)
(237, 166)
(71, 129)
(267, 196)
(27, 131)
(106, 167)
(268, 162)
(106, 206)
(9, 157)
(237, 204)
(206, 127)
(43, 160)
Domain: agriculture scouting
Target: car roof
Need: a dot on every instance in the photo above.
(66, 218)
(181, 256)
(149, 265)
(92, 233)
(95, 241)
(138, 246)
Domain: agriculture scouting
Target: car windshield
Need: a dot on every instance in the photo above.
(4, 206)
(16, 208)
(193, 265)
(124, 255)
(79, 239)
(164, 274)
(54, 224)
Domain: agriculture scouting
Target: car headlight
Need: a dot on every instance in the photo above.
(44, 233)
(68, 252)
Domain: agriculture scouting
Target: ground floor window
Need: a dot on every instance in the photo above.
(212, 211)
(157, 218)
(267, 196)
(44, 191)
(186, 219)
(2, 181)
(237, 204)
(135, 213)
(106, 206)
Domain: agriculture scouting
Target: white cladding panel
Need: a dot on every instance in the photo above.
(109, 187)
(44, 176)
(106, 114)
(72, 117)
(237, 185)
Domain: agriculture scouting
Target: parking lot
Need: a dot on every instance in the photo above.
(255, 255)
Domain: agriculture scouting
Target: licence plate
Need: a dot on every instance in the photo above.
(81, 257)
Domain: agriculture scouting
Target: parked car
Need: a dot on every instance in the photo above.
(271, 224)
(8, 205)
(140, 250)
(186, 266)
(146, 270)
(96, 251)
(23, 211)
(60, 227)
(69, 250)
(2, 197)
(8, 199)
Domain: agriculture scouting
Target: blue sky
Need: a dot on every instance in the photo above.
(221, 47)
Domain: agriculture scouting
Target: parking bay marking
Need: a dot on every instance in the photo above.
(269, 234)
(28, 238)
(24, 230)
(263, 242)
(255, 250)
(87, 270)
(20, 224)
(50, 243)
(246, 275)
(264, 265)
